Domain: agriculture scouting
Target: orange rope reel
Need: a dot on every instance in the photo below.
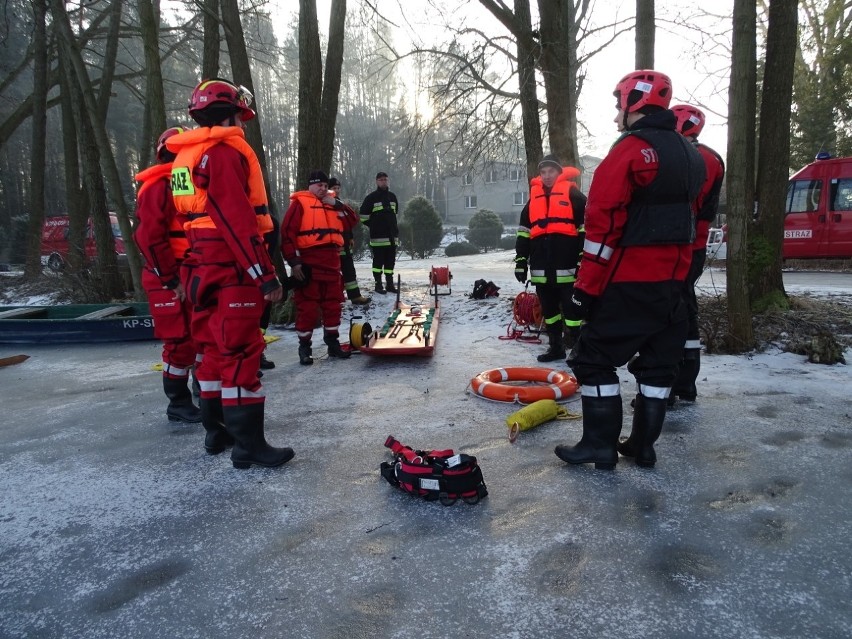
(527, 319)
(440, 276)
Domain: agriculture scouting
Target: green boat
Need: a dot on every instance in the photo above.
(75, 323)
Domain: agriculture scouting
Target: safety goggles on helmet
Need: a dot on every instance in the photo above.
(644, 87)
(690, 119)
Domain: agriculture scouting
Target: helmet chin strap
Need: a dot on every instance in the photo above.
(624, 122)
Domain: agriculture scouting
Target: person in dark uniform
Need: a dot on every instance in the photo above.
(690, 122)
(640, 225)
(347, 261)
(549, 243)
(378, 213)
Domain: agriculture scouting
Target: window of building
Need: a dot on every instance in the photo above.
(470, 201)
(467, 179)
(514, 175)
(491, 176)
(520, 198)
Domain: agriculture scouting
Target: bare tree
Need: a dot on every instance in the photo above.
(39, 131)
(210, 62)
(766, 286)
(106, 257)
(155, 99)
(645, 34)
(318, 90)
(740, 171)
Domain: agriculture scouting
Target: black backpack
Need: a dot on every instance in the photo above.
(483, 289)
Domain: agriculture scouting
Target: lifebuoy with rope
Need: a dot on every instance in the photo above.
(547, 384)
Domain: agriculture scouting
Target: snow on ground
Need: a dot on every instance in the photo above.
(116, 524)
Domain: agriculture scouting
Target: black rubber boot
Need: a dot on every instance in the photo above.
(181, 408)
(217, 438)
(245, 424)
(305, 353)
(266, 364)
(334, 347)
(684, 384)
(556, 349)
(389, 285)
(601, 427)
(379, 288)
(648, 417)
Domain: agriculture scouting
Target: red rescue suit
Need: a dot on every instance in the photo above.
(639, 226)
(217, 183)
(312, 235)
(162, 241)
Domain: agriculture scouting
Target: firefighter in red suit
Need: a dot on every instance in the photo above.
(690, 122)
(217, 182)
(639, 230)
(312, 237)
(162, 241)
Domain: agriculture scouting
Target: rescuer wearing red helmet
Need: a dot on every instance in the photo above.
(639, 230)
(217, 182)
(312, 235)
(690, 122)
(162, 241)
(550, 238)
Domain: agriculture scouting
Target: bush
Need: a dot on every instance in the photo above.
(421, 229)
(455, 249)
(507, 242)
(486, 228)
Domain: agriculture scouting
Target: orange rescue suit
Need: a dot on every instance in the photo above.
(177, 236)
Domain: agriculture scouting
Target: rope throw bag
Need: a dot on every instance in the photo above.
(434, 475)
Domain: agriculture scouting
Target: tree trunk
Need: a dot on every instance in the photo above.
(740, 171)
(39, 132)
(310, 92)
(766, 286)
(529, 96)
(70, 49)
(645, 34)
(210, 63)
(74, 195)
(155, 99)
(558, 28)
(110, 53)
(331, 82)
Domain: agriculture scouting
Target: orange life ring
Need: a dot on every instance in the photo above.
(558, 385)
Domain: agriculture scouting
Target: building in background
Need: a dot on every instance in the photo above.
(501, 187)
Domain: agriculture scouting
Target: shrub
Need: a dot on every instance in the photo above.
(507, 242)
(455, 249)
(421, 229)
(485, 229)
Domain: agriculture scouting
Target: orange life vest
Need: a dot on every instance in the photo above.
(191, 199)
(177, 236)
(321, 224)
(557, 214)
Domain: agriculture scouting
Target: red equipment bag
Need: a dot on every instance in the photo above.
(436, 474)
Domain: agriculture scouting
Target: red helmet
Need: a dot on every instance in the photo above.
(165, 135)
(690, 119)
(650, 87)
(218, 91)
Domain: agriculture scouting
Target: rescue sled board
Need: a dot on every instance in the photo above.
(405, 332)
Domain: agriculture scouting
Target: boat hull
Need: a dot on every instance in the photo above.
(75, 324)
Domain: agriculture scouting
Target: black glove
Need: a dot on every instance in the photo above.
(521, 271)
(580, 306)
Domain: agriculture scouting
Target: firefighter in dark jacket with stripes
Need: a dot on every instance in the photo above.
(378, 213)
(549, 244)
